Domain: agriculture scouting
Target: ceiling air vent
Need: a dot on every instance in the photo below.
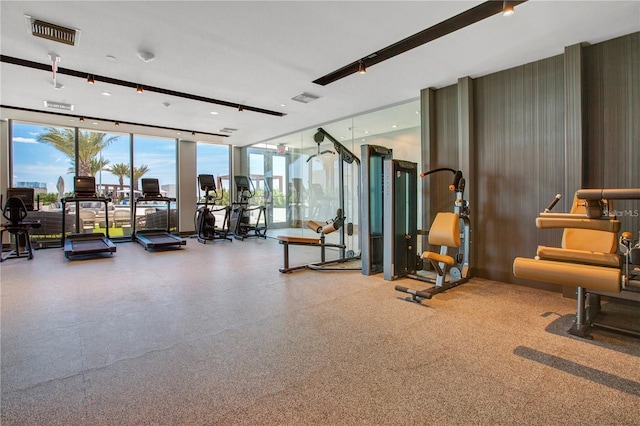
(58, 105)
(305, 98)
(52, 32)
(228, 130)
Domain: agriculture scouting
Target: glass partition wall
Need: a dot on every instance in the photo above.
(307, 180)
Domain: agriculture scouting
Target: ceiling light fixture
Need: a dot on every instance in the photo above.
(507, 9)
(109, 80)
(441, 29)
(90, 79)
(362, 69)
(117, 123)
(139, 89)
(240, 108)
(82, 119)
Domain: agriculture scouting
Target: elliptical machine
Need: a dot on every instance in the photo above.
(240, 222)
(204, 220)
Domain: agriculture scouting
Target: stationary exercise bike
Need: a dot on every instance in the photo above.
(205, 220)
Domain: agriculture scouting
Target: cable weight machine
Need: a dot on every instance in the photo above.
(449, 230)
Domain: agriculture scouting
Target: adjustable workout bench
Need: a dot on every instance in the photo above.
(588, 258)
(322, 228)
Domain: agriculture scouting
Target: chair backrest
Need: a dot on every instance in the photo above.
(14, 210)
(121, 216)
(86, 214)
(445, 230)
(588, 239)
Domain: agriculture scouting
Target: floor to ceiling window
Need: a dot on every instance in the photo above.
(155, 158)
(106, 156)
(45, 166)
(47, 158)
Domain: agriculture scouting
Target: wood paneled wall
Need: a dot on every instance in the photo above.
(543, 128)
(612, 98)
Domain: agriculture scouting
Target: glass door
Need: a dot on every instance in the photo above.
(268, 172)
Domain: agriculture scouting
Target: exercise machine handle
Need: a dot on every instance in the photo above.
(553, 203)
(457, 177)
(441, 169)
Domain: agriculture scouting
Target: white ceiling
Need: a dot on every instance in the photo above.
(263, 53)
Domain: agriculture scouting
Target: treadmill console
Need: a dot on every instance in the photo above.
(151, 188)
(84, 186)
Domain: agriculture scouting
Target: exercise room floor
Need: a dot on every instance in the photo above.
(214, 334)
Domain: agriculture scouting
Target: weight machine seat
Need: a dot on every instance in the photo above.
(438, 258)
(444, 231)
(569, 274)
(579, 256)
(587, 256)
(298, 240)
(322, 228)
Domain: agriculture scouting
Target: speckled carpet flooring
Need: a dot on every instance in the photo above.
(215, 335)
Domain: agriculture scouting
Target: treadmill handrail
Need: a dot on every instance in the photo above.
(163, 199)
(167, 200)
(74, 199)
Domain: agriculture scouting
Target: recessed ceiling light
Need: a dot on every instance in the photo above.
(111, 57)
(95, 123)
(283, 105)
(214, 112)
(394, 126)
(106, 93)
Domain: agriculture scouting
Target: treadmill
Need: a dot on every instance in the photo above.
(155, 238)
(89, 244)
